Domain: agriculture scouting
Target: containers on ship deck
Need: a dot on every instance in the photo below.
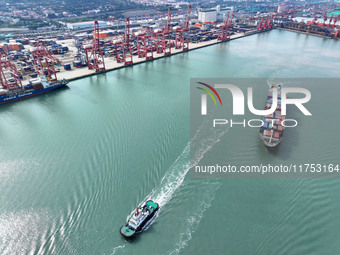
(264, 126)
(28, 86)
(267, 133)
(67, 66)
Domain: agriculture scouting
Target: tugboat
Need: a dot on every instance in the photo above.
(271, 132)
(139, 221)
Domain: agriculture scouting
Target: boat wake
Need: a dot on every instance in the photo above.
(115, 249)
(190, 225)
(174, 177)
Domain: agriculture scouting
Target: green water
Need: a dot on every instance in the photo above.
(75, 163)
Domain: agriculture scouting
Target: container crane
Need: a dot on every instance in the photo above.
(123, 48)
(335, 20)
(324, 18)
(315, 19)
(270, 22)
(94, 53)
(111, 19)
(330, 20)
(259, 26)
(162, 38)
(265, 24)
(224, 34)
(181, 35)
(144, 45)
(8, 67)
(166, 34)
(291, 16)
(43, 61)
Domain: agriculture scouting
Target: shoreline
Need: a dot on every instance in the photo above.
(111, 64)
(306, 33)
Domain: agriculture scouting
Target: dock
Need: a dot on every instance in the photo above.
(111, 64)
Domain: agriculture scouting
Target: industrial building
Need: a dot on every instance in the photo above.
(207, 15)
(213, 15)
(85, 25)
(282, 8)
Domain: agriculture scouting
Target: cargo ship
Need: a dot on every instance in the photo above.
(271, 132)
(37, 86)
(140, 219)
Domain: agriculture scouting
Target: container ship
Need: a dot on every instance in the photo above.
(40, 85)
(140, 220)
(271, 132)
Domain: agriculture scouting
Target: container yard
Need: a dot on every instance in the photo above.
(86, 53)
(83, 53)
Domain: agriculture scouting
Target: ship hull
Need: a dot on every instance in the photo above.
(25, 95)
(270, 146)
(143, 226)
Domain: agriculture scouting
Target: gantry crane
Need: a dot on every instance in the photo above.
(94, 53)
(144, 44)
(324, 18)
(123, 48)
(259, 25)
(335, 20)
(162, 38)
(9, 70)
(43, 61)
(181, 34)
(224, 34)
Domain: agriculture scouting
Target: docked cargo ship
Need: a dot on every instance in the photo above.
(36, 86)
(140, 220)
(271, 132)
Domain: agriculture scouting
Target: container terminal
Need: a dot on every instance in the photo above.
(89, 51)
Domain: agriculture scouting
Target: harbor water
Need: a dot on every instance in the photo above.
(75, 163)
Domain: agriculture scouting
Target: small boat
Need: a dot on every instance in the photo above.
(140, 220)
(271, 132)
